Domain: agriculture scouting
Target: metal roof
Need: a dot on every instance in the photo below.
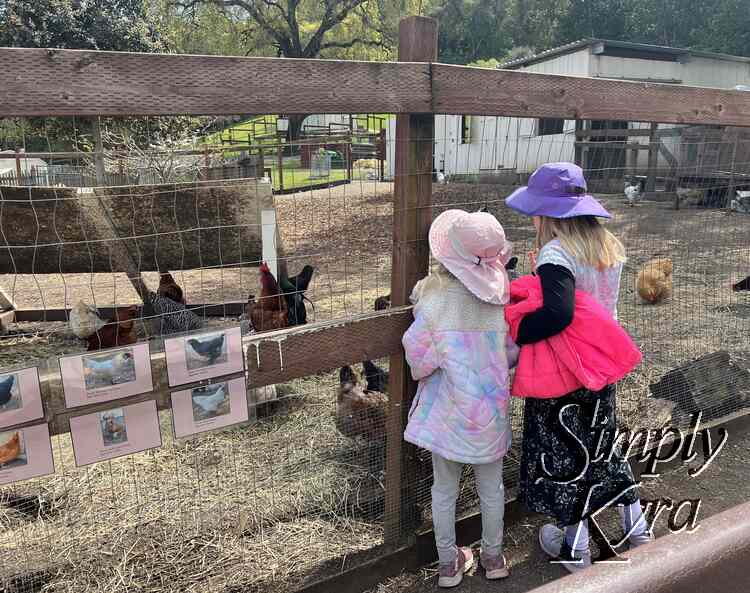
(622, 45)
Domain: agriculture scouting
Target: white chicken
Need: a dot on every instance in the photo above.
(440, 178)
(632, 193)
(84, 321)
(210, 403)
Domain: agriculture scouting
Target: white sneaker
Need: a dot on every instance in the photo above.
(641, 539)
(451, 575)
(552, 541)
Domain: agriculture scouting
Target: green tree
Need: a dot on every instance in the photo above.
(118, 25)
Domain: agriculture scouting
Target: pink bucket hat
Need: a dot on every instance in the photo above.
(472, 247)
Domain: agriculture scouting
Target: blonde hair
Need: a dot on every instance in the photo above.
(437, 278)
(583, 237)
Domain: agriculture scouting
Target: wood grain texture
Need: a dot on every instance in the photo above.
(412, 215)
(482, 91)
(299, 352)
(52, 82)
(305, 350)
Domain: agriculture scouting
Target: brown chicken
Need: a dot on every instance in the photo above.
(270, 311)
(11, 450)
(359, 412)
(119, 331)
(655, 280)
(170, 289)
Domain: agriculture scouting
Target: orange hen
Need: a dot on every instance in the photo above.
(119, 331)
(11, 450)
(270, 311)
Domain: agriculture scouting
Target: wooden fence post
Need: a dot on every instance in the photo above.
(412, 215)
(653, 159)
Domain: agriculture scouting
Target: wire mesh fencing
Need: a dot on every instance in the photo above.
(299, 491)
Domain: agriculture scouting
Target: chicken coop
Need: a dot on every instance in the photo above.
(315, 490)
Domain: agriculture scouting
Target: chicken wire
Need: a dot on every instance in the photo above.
(297, 494)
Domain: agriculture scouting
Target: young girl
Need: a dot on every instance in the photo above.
(563, 471)
(456, 348)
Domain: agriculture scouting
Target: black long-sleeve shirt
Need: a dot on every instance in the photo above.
(558, 291)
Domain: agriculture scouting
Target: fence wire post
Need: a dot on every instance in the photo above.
(412, 215)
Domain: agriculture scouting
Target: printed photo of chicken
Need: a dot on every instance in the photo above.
(10, 393)
(208, 350)
(210, 401)
(12, 450)
(114, 430)
(105, 370)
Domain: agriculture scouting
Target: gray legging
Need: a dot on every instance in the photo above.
(489, 481)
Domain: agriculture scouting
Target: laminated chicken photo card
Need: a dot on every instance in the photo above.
(104, 376)
(115, 432)
(20, 397)
(208, 407)
(25, 453)
(197, 357)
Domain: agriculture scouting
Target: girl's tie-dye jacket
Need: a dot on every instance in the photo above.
(460, 353)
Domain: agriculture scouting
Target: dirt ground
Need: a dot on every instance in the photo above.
(723, 485)
(270, 505)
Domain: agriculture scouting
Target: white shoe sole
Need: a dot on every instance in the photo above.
(450, 582)
(572, 566)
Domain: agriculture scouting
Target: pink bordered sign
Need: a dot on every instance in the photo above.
(104, 376)
(115, 432)
(197, 357)
(209, 407)
(20, 397)
(25, 453)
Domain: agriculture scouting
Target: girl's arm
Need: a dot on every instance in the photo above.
(511, 351)
(559, 293)
(419, 346)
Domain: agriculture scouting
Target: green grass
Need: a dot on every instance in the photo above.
(301, 177)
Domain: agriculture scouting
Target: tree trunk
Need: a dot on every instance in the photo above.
(294, 132)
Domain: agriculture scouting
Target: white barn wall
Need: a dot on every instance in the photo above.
(508, 143)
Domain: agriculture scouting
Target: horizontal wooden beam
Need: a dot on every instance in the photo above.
(228, 309)
(283, 356)
(629, 133)
(276, 357)
(612, 144)
(483, 91)
(55, 82)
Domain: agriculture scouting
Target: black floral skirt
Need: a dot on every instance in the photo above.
(571, 462)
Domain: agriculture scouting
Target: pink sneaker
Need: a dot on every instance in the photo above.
(494, 566)
(451, 575)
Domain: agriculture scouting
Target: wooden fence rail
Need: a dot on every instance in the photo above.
(52, 82)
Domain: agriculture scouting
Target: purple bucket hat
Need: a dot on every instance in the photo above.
(557, 190)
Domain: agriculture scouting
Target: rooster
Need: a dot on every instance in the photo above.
(170, 289)
(294, 292)
(654, 282)
(270, 311)
(11, 450)
(119, 331)
(359, 412)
